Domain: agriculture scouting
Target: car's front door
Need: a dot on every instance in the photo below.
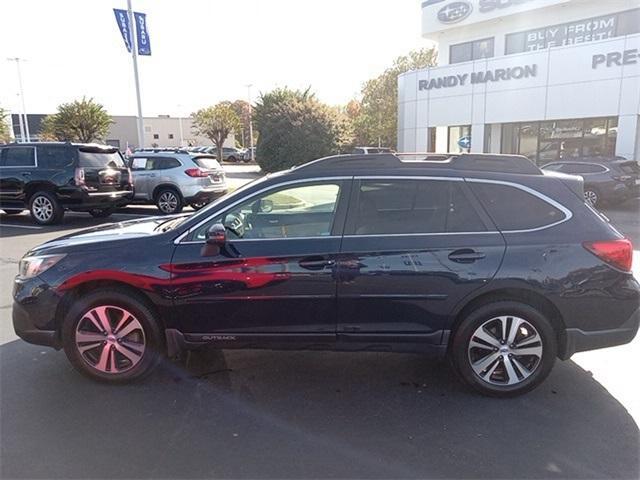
(17, 167)
(275, 275)
(143, 171)
(413, 248)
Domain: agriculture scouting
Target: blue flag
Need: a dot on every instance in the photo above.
(125, 27)
(142, 34)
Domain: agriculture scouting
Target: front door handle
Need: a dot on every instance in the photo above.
(466, 255)
(316, 263)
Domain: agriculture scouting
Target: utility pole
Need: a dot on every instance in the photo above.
(253, 153)
(23, 129)
(180, 125)
(134, 56)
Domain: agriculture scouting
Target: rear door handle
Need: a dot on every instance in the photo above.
(26, 174)
(466, 255)
(316, 263)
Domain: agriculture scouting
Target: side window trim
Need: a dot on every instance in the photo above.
(345, 186)
(355, 198)
(568, 214)
(35, 156)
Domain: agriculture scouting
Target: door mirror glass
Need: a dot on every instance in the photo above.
(216, 235)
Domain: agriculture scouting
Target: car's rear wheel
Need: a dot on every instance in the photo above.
(102, 212)
(12, 211)
(45, 208)
(112, 336)
(592, 197)
(232, 159)
(504, 349)
(169, 201)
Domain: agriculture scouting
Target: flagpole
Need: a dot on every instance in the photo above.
(134, 56)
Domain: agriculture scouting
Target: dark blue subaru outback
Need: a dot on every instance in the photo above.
(481, 258)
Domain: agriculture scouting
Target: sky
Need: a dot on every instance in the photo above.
(203, 51)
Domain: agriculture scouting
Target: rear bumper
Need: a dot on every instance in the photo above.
(578, 340)
(206, 195)
(82, 200)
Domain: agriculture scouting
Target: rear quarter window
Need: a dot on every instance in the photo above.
(512, 208)
(18, 157)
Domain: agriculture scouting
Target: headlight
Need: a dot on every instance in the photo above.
(31, 266)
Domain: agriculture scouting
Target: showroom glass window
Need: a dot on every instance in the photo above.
(545, 142)
(459, 136)
(465, 52)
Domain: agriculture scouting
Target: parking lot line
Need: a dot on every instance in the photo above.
(30, 227)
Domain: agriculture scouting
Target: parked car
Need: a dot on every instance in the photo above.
(482, 258)
(50, 177)
(230, 154)
(246, 156)
(370, 150)
(172, 180)
(605, 180)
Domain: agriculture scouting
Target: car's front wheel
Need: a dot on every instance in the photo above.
(504, 349)
(112, 336)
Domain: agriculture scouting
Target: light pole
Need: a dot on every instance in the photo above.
(23, 129)
(253, 154)
(180, 125)
(134, 56)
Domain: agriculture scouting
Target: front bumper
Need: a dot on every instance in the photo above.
(34, 308)
(578, 340)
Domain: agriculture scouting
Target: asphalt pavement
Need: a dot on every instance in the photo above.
(261, 414)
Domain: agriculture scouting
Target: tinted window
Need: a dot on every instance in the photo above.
(413, 206)
(18, 157)
(582, 168)
(631, 167)
(287, 212)
(55, 157)
(100, 159)
(461, 53)
(514, 209)
(165, 163)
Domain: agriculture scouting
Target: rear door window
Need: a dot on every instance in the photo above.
(55, 157)
(412, 207)
(18, 157)
(582, 168)
(165, 163)
(97, 159)
(512, 208)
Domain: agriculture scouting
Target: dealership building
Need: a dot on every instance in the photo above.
(548, 79)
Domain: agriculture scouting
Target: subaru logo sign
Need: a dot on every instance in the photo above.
(464, 142)
(454, 12)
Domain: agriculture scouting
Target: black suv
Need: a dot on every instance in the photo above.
(479, 257)
(49, 178)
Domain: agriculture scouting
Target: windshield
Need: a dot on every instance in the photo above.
(100, 159)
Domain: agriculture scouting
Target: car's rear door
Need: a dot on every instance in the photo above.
(413, 248)
(142, 169)
(275, 277)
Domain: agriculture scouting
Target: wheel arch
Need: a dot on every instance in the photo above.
(73, 294)
(38, 186)
(522, 295)
(166, 186)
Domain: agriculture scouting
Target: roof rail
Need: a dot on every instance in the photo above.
(479, 162)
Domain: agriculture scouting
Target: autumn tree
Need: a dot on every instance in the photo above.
(216, 123)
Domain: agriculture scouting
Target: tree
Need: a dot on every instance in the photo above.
(79, 121)
(375, 116)
(4, 128)
(295, 128)
(241, 107)
(216, 123)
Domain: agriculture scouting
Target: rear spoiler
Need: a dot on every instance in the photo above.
(575, 183)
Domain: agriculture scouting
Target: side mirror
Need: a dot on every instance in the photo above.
(216, 235)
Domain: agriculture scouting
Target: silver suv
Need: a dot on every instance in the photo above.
(172, 180)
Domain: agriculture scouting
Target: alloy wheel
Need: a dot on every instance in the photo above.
(110, 339)
(42, 209)
(591, 197)
(168, 202)
(505, 350)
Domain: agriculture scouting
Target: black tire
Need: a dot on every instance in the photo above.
(198, 206)
(151, 334)
(102, 212)
(13, 211)
(460, 352)
(45, 208)
(169, 201)
(232, 159)
(592, 197)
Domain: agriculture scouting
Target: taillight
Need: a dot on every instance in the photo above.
(196, 172)
(78, 177)
(618, 253)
